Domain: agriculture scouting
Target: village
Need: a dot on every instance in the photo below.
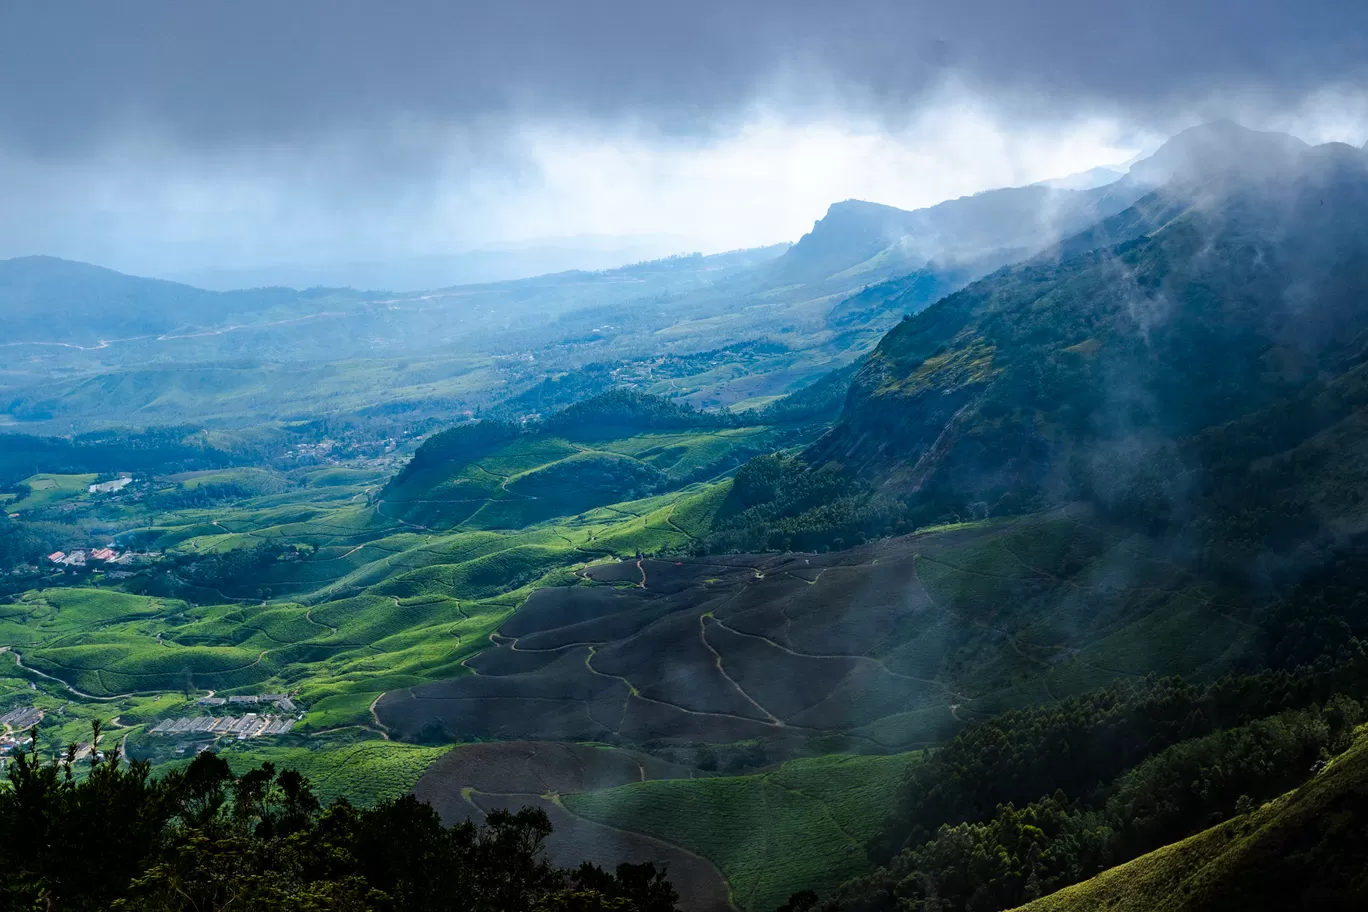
(106, 557)
(16, 724)
(14, 730)
(242, 727)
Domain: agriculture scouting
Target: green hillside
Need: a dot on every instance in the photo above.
(1303, 850)
(1179, 379)
(802, 826)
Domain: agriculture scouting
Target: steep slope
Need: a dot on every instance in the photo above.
(935, 250)
(1305, 850)
(1063, 375)
(978, 233)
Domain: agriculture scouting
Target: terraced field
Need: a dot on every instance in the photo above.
(373, 612)
(875, 651)
(363, 773)
(887, 647)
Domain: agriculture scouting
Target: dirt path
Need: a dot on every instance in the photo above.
(669, 520)
(308, 616)
(717, 660)
(384, 732)
(626, 703)
(834, 655)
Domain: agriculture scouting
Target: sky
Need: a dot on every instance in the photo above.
(176, 138)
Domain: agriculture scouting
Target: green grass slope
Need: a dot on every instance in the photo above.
(1305, 850)
(803, 826)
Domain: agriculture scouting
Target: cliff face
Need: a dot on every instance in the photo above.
(1229, 296)
(976, 233)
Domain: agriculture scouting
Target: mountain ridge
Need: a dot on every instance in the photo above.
(938, 365)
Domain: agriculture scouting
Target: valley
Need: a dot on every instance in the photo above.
(943, 559)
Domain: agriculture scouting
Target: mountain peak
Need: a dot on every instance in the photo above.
(862, 208)
(1216, 147)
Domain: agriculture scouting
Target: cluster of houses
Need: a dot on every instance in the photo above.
(282, 701)
(245, 726)
(241, 727)
(14, 729)
(103, 556)
(21, 719)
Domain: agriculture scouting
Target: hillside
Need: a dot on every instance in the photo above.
(974, 233)
(962, 239)
(1061, 378)
(46, 299)
(618, 446)
(1304, 850)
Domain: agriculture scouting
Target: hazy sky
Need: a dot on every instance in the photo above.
(165, 136)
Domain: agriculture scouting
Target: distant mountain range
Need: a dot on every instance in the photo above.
(829, 297)
(495, 263)
(856, 244)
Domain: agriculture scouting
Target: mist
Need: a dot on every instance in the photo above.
(347, 145)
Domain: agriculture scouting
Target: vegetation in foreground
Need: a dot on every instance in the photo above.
(201, 839)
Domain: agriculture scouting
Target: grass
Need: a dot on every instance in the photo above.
(365, 773)
(47, 490)
(1302, 850)
(802, 826)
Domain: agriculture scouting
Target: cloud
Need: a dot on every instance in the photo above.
(772, 175)
(263, 70)
(147, 203)
(155, 135)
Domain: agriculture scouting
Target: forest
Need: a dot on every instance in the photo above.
(111, 836)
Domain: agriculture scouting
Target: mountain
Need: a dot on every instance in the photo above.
(991, 229)
(54, 307)
(1218, 147)
(468, 267)
(996, 227)
(1085, 180)
(984, 231)
(49, 299)
(1304, 850)
(1227, 298)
